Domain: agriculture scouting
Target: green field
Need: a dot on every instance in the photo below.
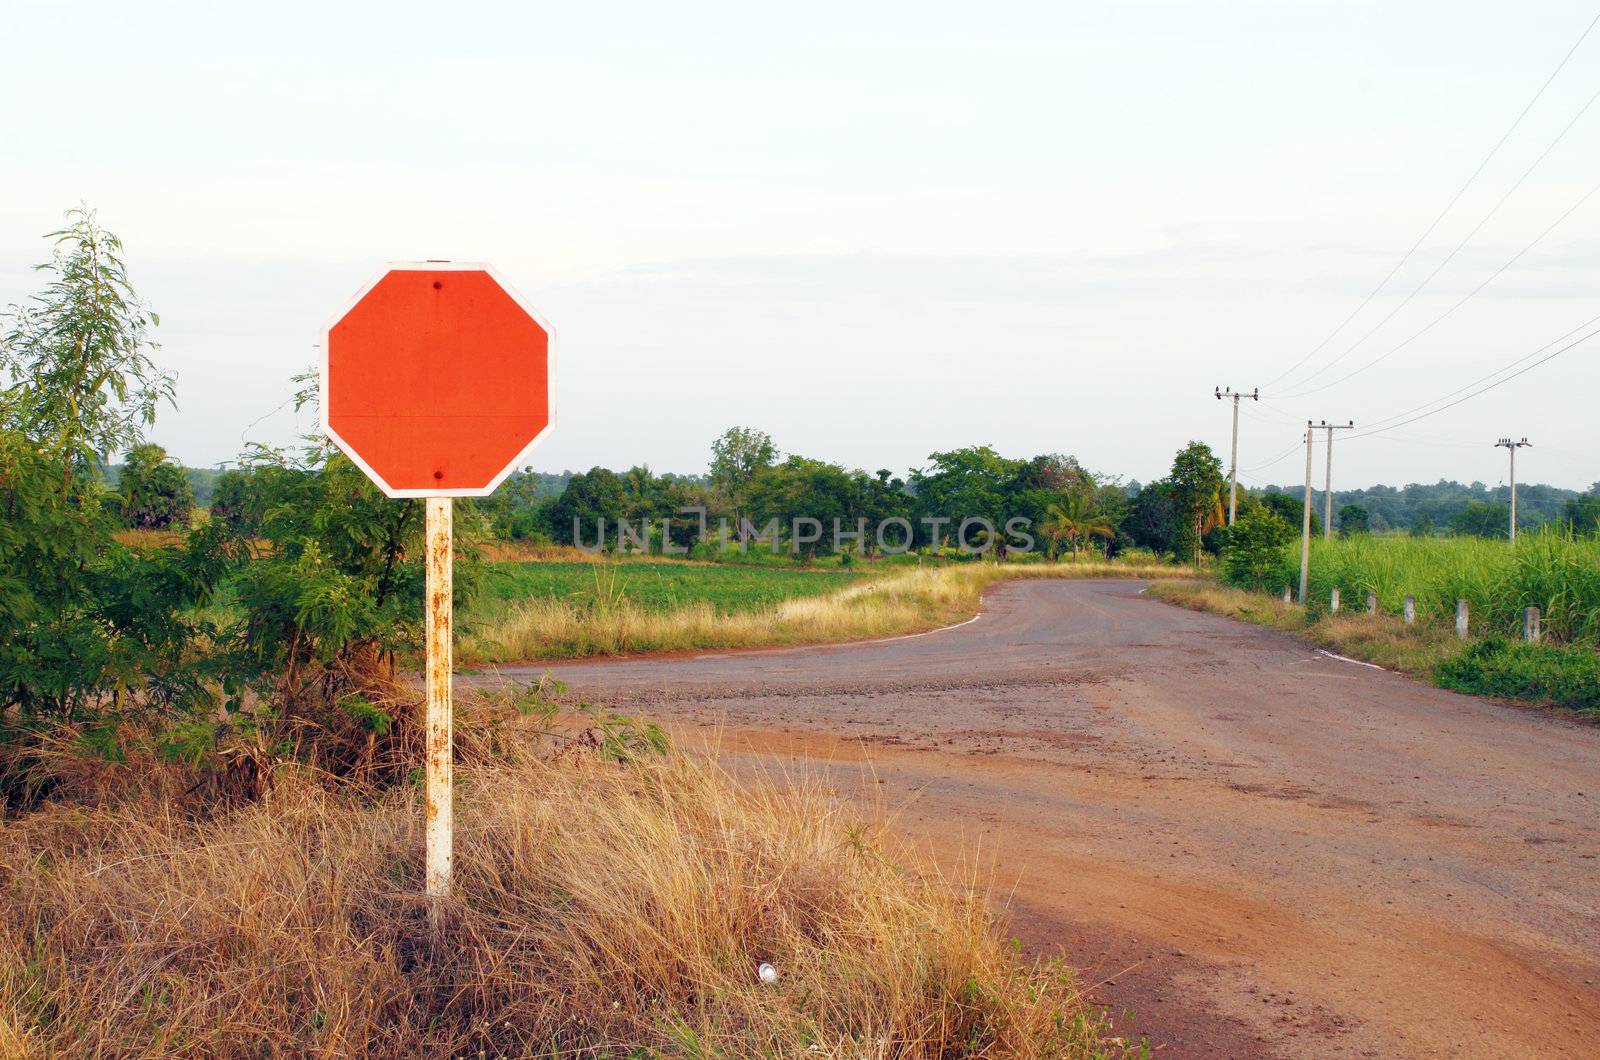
(653, 586)
(1553, 570)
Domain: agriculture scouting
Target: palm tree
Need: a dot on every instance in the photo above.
(1074, 520)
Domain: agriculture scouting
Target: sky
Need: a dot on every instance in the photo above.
(874, 231)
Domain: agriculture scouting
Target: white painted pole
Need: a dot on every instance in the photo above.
(1305, 521)
(1233, 466)
(1513, 493)
(1530, 625)
(1372, 603)
(440, 759)
(1461, 619)
(1333, 602)
(1411, 610)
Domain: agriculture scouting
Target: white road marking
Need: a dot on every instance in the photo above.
(1345, 658)
(929, 633)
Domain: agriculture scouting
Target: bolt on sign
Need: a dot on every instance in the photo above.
(437, 380)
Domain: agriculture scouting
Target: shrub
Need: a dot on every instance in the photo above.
(89, 629)
(1565, 675)
(1252, 557)
(156, 494)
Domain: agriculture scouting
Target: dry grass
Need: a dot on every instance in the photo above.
(1383, 639)
(151, 538)
(601, 909)
(498, 550)
(904, 602)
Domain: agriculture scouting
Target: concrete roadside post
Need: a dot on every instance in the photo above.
(1372, 603)
(437, 383)
(1333, 601)
(1411, 610)
(1461, 619)
(1530, 625)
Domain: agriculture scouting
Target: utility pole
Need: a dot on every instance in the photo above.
(1327, 482)
(1305, 522)
(1511, 450)
(1233, 467)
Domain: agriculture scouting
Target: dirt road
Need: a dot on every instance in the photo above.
(1261, 850)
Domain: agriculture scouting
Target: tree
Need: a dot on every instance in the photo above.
(515, 512)
(90, 631)
(737, 455)
(800, 488)
(879, 498)
(1582, 513)
(1291, 510)
(156, 494)
(965, 484)
(589, 498)
(1152, 520)
(82, 381)
(1076, 520)
(1253, 558)
(1482, 520)
(1197, 485)
(1352, 520)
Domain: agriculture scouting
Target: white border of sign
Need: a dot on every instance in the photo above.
(550, 375)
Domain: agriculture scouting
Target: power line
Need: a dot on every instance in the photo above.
(1448, 258)
(1447, 207)
(1280, 458)
(1386, 420)
(1548, 357)
(1461, 302)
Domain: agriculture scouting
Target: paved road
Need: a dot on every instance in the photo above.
(1259, 849)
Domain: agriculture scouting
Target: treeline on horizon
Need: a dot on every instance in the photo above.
(533, 504)
(1388, 507)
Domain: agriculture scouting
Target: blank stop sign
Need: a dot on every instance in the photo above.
(436, 380)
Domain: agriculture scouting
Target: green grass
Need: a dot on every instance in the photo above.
(1548, 569)
(653, 586)
(1550, 674)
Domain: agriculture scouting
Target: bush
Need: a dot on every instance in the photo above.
(1252, 556)
(1563, 675)
(156, 494)
(89, 628)
(234, 504)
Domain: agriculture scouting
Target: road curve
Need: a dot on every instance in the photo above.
(1259, 849)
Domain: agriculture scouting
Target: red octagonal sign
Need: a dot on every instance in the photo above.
(436, 380)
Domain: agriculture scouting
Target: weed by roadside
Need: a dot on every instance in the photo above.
(602, 908)
(1561, 675)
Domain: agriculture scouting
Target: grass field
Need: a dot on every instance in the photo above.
(604, 618)
(653, 586)
(1548, 569)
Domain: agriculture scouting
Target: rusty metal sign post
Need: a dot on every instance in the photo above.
(439, 815)
(438, 381)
